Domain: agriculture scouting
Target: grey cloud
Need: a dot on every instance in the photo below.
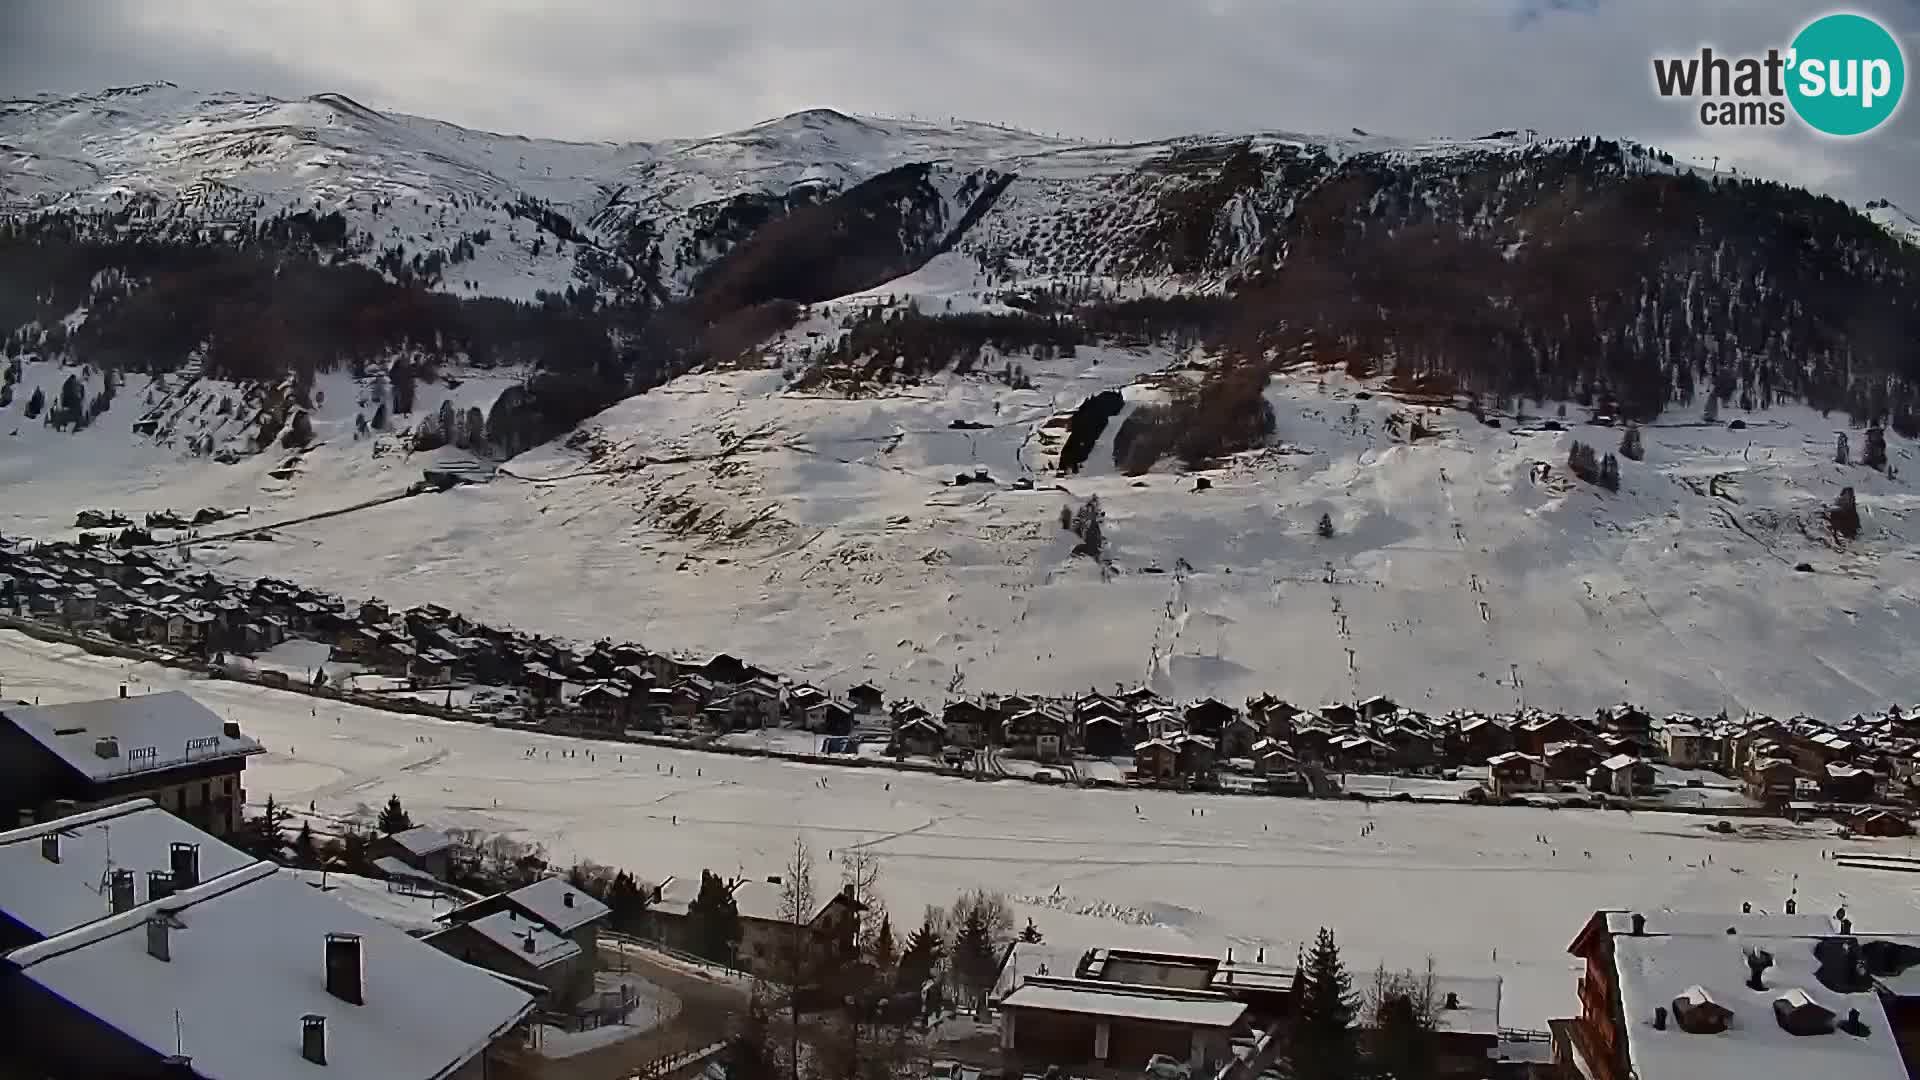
(1099, 68)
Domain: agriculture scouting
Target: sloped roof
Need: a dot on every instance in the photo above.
(507, 930)
(1089, 998)
(167, 722)
(50, 898)
(247, 964)
(546, 900)
(422, 840)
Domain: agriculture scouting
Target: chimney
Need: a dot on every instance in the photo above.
(566, 899)
(158, 946)
(1792, 907)
(1639, 924)
(231, 729)
(345, 978)
(1758, 961)
(185, 860)
(313, 1038)
(177, 1067)
(1453, 999)
(528, 945)
(1846, 926)
(106, 746)
(121, 894)
(1660, 1018)
(1746, 908)
(160, 885)
(1852, 1025)
(50, 847)
(123, 689)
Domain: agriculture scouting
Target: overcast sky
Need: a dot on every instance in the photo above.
(633, 69)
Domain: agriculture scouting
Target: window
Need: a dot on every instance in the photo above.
(206, 793)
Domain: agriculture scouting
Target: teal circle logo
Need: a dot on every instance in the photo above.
(1847, 74)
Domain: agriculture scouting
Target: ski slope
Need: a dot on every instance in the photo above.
(1091, 867)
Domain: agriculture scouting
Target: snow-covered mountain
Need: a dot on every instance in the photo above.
(1381, 332)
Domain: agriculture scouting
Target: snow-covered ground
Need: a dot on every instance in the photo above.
(1091, 867)
(821, 536)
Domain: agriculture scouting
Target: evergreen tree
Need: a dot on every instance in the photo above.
(716, 919)
(1610, 473)
(393, 817)
(883, 947)
(35, 403)
(922, 956)
(1844, 516)
(1874, 456)
(73, 397)
(1325, 528)
(1324, 1045)
(1031, 934)
(1842, 453)
(1631, 447)
(305, 853)
(1403, 1048)
(380, 417)
(973, 954)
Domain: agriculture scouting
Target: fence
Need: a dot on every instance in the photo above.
(672, 1063)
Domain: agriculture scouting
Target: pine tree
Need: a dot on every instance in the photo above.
(393, 817)
(1325, 529)
(883, 948)
(1844, 516)
(1631, 447)
(1874, 456)
(922, 956)
(304, 851)
(1842, 453)
(1610, 473)
(380, 417)
(36, 403)
(1324, 1044)
(1031, 934)
(1402, 1047)
(973, 954)
(716, 919)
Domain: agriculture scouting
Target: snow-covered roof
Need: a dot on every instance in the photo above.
(1025, 959)
(247, 963)
(50, 898)
(1714, 924)
(1477, 1001)
(1089, 998)
(175, 727)
(1619, 761)
(548, 900)
(507, 930)
(1653, 971)
(422, 840)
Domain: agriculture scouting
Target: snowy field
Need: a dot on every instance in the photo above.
(1475, 888)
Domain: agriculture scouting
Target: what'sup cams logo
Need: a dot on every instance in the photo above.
(1843, 75)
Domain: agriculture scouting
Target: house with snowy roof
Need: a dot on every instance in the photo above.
(521, 948)
(422, 848)
(554, 903)
(1703, 996)
(229, 968)
(166, 747)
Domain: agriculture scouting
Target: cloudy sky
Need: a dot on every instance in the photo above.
(630, 69)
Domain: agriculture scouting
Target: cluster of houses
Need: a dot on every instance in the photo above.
(149, 597)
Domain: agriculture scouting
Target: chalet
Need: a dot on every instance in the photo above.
(1570, 762)
(423, 848)
(923, 736)
(1880, 822)
(1105, 736)
(1275, 717)
(1156, 759)
(1376, 708)
(725, 668)
(765, 934)
(1117, 1025)
(1208, 717)
(560, 908)
(1088, 706)
(968, 724)
(717, 717)
(756, 705)
(1239, 735)
(1037, 734)
(1411, 748)
(542, 686)
(866, 698)
(1535, 735)
(1312, 743)
(1514, 773)
(1160, 724)
(1847, 783)
(431, 668)
(80, 606)
(1272, 755)
(831, 718)
(799, 700)
(167, 747)
(1140, 698)
(1359, 752)
(521, 949)
(1669, 994)
(608, 704)
(1199, 756)
(269, 976)
(1341, 716)
(1624, 720)
(1686, 746)
(1771, 781)
(1623, 775)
